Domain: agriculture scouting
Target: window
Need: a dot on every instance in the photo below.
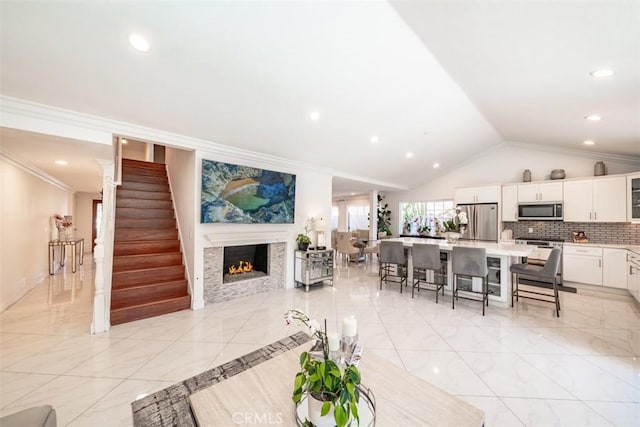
(357, 217)
(417, 216)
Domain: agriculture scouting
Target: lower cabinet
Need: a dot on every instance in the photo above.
(633, 274)
(614, 272)
(582, 265)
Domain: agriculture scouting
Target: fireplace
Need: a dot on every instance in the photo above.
(245, 262)
(273, 276)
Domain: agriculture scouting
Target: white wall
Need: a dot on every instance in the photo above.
(181, 166)
(500, 166)
(313, 199)
(83, 216)
(28, 203)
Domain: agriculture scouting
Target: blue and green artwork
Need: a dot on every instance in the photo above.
(246, 195)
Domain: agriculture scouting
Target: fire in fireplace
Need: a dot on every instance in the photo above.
(243, 267)
(245, 262)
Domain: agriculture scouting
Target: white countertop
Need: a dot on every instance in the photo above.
(493, 248)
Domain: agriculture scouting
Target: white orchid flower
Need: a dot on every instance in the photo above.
(314, 326)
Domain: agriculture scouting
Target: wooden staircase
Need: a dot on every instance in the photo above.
(148, 274)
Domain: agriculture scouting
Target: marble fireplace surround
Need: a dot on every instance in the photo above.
(216, 291)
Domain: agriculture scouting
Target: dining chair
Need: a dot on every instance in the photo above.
(344, 246)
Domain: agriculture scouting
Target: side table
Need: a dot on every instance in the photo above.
(313, 267)
(77, 245)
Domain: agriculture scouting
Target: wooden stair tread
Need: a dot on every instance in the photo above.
(149, 309)
(147, 285)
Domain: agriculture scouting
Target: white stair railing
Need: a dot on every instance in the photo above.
(103, 251)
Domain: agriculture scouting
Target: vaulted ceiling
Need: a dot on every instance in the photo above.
(439, 80)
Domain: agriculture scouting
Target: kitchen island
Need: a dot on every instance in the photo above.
(500, 256)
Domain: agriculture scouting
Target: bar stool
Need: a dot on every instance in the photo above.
(549, 271)
(425, 258)
(392, 255)
(470, 262)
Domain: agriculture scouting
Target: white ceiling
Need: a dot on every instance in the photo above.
(35, 150)
(248, 74)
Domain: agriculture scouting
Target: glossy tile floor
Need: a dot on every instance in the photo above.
(522, 366)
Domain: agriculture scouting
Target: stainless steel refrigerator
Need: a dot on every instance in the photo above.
(483, 221)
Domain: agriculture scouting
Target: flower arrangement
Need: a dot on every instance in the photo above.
(323, 379)
(303, 240)
(457, 223)
(62, 222)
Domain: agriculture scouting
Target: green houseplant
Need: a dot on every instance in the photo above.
(323, 380)
(384, 216)
(303, 241)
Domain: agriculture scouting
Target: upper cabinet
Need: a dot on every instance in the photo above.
(486, 194)
(596, 200)
(510, 203)
(540, 192)
(633, 198)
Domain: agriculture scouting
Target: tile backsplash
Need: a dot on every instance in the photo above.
(606, 232)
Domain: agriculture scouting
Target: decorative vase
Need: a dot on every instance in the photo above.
(453, 236)
(557, 174)
(61, 235)
(68, 233)
(526, 175)
(599, 169)
(314, 409)
(303, 246)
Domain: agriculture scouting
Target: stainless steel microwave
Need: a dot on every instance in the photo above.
(551, 211)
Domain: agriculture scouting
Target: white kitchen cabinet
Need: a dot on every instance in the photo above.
(540, 192)
(582, 264)
(510, 203)
(614, 268)
(485, 194)
(633, 198)
(578, 201)
(633, 274)
(595, 200)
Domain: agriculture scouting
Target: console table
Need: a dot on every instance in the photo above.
(313, 266)
(77, 255)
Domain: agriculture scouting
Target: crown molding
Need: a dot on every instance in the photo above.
(32, 170)
(632, 160)
(28, 109)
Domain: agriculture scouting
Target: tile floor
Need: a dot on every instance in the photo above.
(521, 366)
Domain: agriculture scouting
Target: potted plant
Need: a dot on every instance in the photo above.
(303, 242)
(384, 217)
(332, 392)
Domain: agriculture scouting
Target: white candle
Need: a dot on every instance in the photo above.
(349, 326)
(334, 341)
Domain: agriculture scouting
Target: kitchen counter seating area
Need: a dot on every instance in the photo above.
(500, 257)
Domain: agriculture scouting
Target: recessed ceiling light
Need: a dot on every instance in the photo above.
(139, 43)
(588, 142)
(409, 155)
(602, 73)
(436, 165)
(374, 139)
(593, 118)
(61, 162)
(353, 194)
(314, 115)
